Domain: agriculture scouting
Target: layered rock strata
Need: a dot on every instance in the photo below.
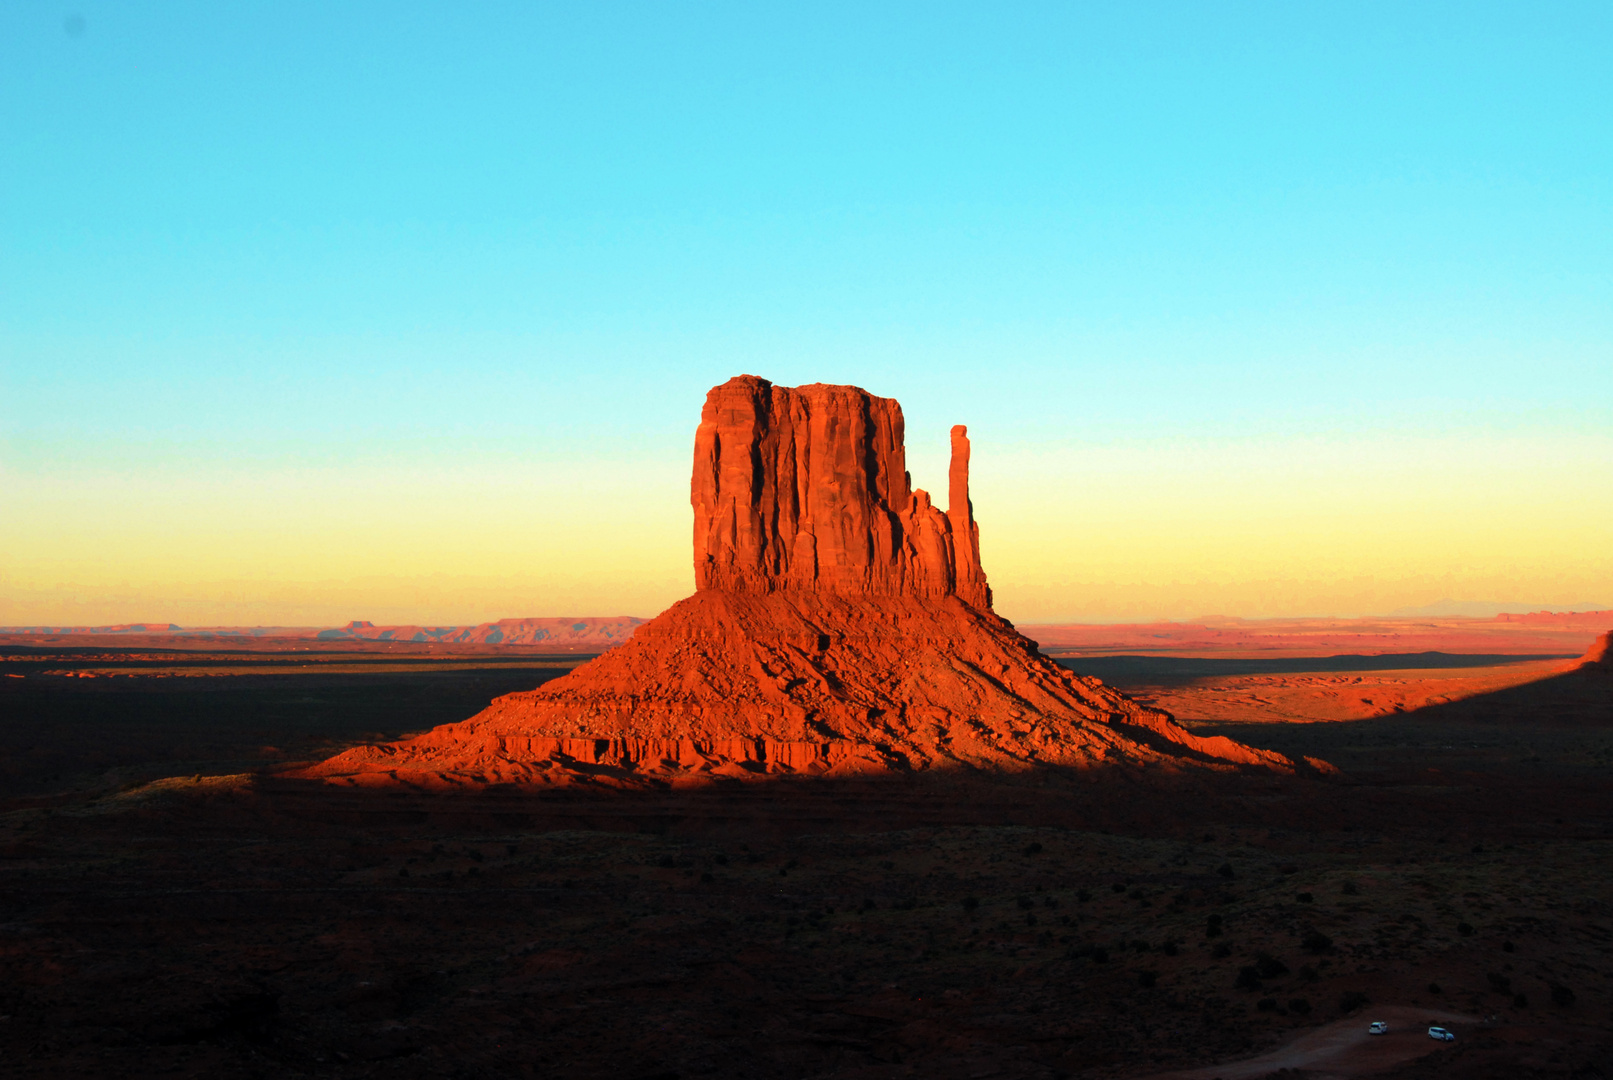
(842, 624)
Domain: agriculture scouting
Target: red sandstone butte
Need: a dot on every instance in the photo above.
(842, 624)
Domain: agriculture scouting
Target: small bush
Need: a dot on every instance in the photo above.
(1221, 951)
(721, 860)
(1301, 1006)
(971, 904)
(1349, 888)
(1248, 978)
(1507, 946)
(1033, 848)
(1520, 1001)
(1118, 887)
(1099, 955)
(1352, 1000)
(868, 904)
(1147, 979)
(1561, 995)
(666, 862)
(1433, 988)
(1025, 903)
(1269, 966)
(1225, 870)
(1305, 897)
(1212, 926)
(1169, 948)
(1084, 896)
(1051, 901)
(1316, 942)
(1266, 1004)
(1465, 929)
(1030, 918)
(1499, 982)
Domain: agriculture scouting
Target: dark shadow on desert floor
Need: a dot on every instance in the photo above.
(1040, 924)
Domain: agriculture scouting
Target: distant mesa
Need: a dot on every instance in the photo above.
(573, 633)
(842, 624)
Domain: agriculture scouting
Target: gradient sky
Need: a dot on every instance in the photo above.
(405, 312)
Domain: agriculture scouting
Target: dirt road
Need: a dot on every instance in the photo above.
(1344, 1049)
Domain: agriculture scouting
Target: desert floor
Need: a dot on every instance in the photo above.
(168, 906)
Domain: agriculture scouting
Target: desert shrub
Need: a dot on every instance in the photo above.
(1147, 979)
(1221, 951)
(1266, 1004)
(1561, 995)
(1169, 948)
(1316, 942)
(1349, 888)
(906, 903)
(1301, 1006)
(1507, 946)
(1136, 894)
(868, 904)
(1212, 926)
(1499, 982)
(1520, 1001)
(1083, 896)
(1248, 978)
(1025, 903)
(1465, 929)
(1352, 1000)
(971, 904)
(666, 862)
(1051, 901)
(1305, 897)
(1433, 988)
(1139, 945)
(721, 860)
(1099, 955)
(1033, 848)
(1118, 887)
(706, 878)
(1030, 918)
(1269, 966)
(1307, 973)
(1225, 870)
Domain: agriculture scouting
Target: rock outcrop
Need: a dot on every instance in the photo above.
(806, 489)
(842, 623)
(1599, 657)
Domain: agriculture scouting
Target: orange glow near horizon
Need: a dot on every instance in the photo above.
(1113, 533)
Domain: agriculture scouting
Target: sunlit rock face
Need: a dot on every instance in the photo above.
(806, 489)
(842, 624)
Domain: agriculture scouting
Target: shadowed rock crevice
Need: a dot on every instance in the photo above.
(842, 624)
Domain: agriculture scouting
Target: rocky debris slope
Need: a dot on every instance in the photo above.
(842, 624)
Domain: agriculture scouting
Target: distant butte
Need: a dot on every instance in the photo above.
(841, 624)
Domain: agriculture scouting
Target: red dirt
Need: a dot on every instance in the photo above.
(843, 624)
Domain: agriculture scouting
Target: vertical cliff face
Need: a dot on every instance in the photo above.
(806, 489)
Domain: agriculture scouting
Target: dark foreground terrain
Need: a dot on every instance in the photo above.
(168, 906)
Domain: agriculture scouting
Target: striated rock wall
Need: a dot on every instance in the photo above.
(807, 489)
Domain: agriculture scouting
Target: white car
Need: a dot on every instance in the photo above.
(1441, 1034)
(1377, 1027)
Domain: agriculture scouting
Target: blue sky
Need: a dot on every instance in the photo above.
(239, 242)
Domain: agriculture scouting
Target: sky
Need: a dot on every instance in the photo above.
(405, 312)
